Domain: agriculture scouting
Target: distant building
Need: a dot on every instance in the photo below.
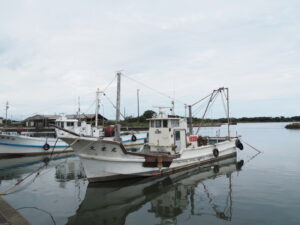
(49, 120)
(1, 121)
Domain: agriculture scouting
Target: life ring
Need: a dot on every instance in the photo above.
(216, 169)
(216, 152)
(238, 144)
(133, 137)
(20, 130)
(46, 160)
(46, 147)
(239, 164)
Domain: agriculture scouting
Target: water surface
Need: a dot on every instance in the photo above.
(264, 190)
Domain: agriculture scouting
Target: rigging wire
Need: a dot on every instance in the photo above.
(110, 101)
(158, 92)
(223, 101)
(109, 83)
(199, 109)
(94, 102)
(210, 103)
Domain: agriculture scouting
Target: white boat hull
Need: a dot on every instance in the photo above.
(107, 160)
(18, 145)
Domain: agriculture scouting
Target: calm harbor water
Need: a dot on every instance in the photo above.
(265, 189)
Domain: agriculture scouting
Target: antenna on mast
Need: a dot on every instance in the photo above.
(97, 107)
(78, 112)
(173, 108)
(6, 110)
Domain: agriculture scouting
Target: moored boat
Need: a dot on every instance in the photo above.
(21, 145)
(169, 149)
(166, 197)
(172, 147)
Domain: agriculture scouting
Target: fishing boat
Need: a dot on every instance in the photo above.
(171, 147)
(20, 144)
(167, 196)
(65, 127)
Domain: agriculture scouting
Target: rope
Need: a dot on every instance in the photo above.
(110, 101)
(91, 106)
(5, 192)
(223, 101)
(210, 102)
(158, 92)
(42, 210)
(252, 146)
(109, 83)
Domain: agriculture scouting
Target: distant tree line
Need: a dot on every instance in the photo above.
(253, 119)
(149, 114)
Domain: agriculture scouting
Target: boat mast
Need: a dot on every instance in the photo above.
(97, 107)
(6, 109)
(228, 119)
(117, 127)
(138, 103)
(78, 112)
(190, 120)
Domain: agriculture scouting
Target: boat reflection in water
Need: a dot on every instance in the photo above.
(16, 167)
(169, 196)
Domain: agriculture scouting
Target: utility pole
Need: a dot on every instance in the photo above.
(117, 127)
(138, 103)
(6, 109)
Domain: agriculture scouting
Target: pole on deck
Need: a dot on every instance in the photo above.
(190, 120)
(117, 127)
(228, 118)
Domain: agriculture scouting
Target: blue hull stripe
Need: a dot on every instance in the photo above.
(57, 146)
(33, 146)
(138, 139)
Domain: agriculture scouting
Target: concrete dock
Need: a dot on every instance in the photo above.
(10, 216)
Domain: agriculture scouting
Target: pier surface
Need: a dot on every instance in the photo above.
(10, 216)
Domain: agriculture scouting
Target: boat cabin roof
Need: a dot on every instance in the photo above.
(169, 117)
(66, 120)
(163, 118)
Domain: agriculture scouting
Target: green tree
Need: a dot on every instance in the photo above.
(148, 114)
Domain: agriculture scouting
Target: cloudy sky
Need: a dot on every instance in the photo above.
(51, 52)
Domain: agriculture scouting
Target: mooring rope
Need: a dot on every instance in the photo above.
(252, 146)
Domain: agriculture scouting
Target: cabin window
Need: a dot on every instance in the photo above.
(70, 124)
(158, 123)
(175, 123)
(165, 123)
(62, 125)
(177, 135)
(79, 124)
(152, 123)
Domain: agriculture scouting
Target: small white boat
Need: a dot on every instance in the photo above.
(21, 145)
(15, 145)
(72, 127)
(171, 148)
